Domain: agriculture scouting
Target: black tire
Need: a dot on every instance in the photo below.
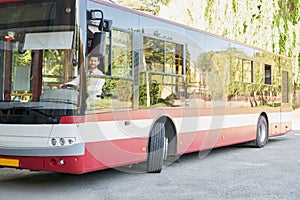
(262, 132)
(156, 148)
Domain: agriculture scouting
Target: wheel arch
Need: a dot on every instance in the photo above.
(170, 133)
(264, 114)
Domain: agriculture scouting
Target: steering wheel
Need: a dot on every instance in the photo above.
(69, 87)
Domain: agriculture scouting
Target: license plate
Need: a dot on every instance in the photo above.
(9, 162)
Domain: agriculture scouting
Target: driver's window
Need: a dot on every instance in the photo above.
(116, 66)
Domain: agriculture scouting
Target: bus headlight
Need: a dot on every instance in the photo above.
(71, 141)
(53, 142)
(62, 141)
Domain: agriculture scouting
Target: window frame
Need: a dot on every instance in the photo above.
(163, 72)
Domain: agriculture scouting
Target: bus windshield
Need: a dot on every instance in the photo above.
(36, 54)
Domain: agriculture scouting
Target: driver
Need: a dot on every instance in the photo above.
(94, 85)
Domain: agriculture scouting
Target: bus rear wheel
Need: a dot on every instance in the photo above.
(262, 132)
(156, 148)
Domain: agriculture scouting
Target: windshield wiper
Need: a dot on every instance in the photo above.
(51, 118)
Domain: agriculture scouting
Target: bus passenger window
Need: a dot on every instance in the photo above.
(174, 58)
(179, 59)
(236, 71)
(154, 52)
(268, 75)
(285, 87)
(247, 71)
(121, 54)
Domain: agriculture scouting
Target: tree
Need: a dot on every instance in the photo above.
(150, 6)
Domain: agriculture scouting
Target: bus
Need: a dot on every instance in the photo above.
(169, 89)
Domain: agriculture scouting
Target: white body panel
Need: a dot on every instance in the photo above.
(37, 136)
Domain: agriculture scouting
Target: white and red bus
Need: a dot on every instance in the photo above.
(169, 89)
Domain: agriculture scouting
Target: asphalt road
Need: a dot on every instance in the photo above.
(235, 172)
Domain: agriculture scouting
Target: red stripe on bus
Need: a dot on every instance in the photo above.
(154, 113)
(9, 1)
(72, 119)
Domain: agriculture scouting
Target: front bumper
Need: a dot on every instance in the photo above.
(70, 150)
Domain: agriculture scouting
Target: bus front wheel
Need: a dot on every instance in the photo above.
(156, 148)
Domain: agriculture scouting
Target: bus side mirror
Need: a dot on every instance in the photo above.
(106, 25)
(94, 16)
(98, 44)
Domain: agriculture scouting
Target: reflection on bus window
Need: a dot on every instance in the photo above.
(247, 71)
(25, 75)
(121, 54)
(174, 58)
(163, 56)
(154, 54)
(161, 90)
(161, 83)
(116, 94)
(236, 69)
(242, 70)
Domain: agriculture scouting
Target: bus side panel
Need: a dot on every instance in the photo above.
(108, 154)
(203, 140)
